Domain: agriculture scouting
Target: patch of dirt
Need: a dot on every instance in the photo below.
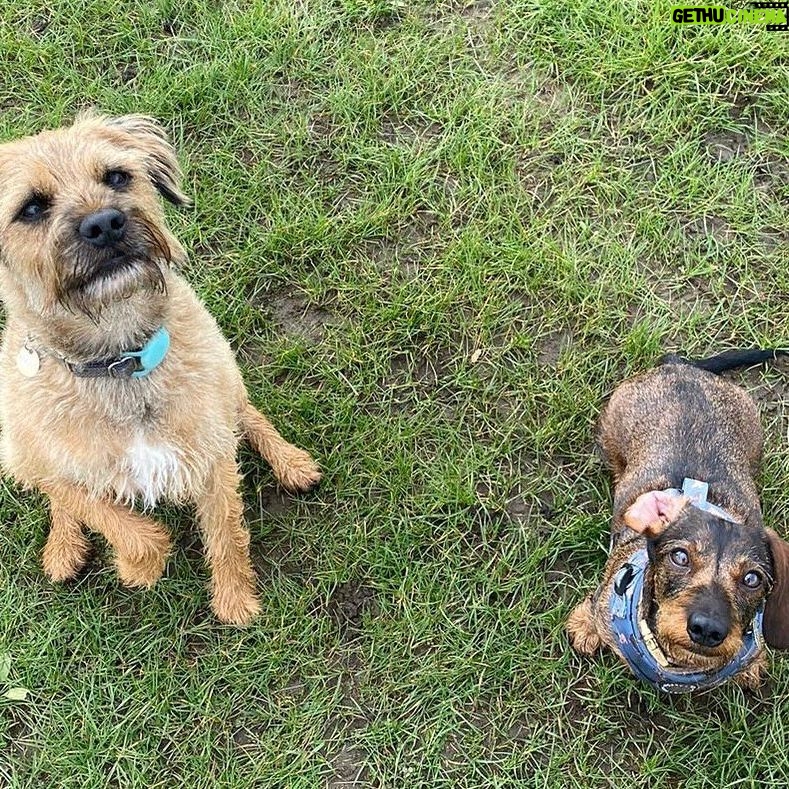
(40, 25)
(274, 556)
(397, 131)
(414, 377)
(407, 246)
(771, 173)
(349, 769)
(18, 739)
(724, 146)
(486, 530)
(346, 606)
(345, 759)
(351, 197)
(171, 27)
(296, 316)
(535, 172)
(477, 10)
(709, 226)
(244, 739)
(739, 104)
(247, 156)
(769, 392)
(473, 15)
(522, 509)
(425, 371)
(551, 346)
(472, 722)
(349, 602)
(773, 237)
(127, 72)
(322, 127)
(694, 296)
(561, 580)
(273, 502)
(286, 90)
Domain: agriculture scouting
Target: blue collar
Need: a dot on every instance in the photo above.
(129, 364)
(638, 646)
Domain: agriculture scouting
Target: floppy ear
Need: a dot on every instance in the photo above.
(776, 610)
(651, 511)
(163, 168)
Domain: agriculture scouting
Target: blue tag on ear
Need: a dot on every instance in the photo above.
(150, 357)
(695, 490)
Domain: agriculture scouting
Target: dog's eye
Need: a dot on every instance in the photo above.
(752, 580)
(34, 209)
(679, 558)
(117, 179)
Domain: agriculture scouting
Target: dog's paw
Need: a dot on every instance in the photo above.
(138, 573)
(65, 556)
(752, 677)
(235, 606)
(145, 568)
(296, 470)
(581, 629)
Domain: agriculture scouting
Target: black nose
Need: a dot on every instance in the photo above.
(709, 630)
(103, 228)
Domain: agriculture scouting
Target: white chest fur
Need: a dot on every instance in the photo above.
(150, 471)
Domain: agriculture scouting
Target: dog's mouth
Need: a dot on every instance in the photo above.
(112, 267)
(96, 278)
(670, 650)
(112, 279)
(699, 658)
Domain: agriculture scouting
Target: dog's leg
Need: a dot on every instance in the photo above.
(581, 628)
(293, 467)
(67, 548)
(141, 545)
(752, 677)
(220, 512)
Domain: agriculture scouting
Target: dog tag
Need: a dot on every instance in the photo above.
(28, 362)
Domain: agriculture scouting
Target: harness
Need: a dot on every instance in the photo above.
(637, 643)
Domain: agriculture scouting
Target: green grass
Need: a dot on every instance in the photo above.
(437, 236)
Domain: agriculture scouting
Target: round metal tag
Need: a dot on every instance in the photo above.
(28, 361)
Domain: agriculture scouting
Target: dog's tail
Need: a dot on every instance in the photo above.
(728, 360)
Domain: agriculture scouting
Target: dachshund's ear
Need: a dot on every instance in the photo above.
(651, 511)
(776, 611)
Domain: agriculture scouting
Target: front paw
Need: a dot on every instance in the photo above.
(145, 568)
(754, 675)
(65, 555)
(234, 605)
(581, 629)
(296, 470)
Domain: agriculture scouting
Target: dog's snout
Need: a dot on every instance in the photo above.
(707, 629)
(104, 227)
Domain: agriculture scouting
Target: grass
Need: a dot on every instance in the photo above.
(437, 234)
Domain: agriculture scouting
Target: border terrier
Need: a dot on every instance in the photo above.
(116, 385)
(693, 577)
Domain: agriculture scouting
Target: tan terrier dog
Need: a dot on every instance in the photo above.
(116, 385)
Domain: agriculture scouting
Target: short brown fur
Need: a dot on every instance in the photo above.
(673, 422)
(94, 446)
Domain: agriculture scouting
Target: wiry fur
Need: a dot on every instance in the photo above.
(675, 422)
(96, 445)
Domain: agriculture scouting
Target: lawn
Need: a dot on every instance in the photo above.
(437, 235)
